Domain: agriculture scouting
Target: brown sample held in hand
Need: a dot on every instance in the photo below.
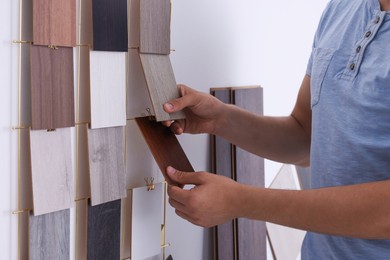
(164, 146)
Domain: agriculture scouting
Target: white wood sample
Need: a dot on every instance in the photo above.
(286, 242)
(52, 173)
(108, 89)
(139, 103)
(161, 84)
(106, 164)
(147, 217)
(140, 162)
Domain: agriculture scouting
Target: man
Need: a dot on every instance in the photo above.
(340, 126)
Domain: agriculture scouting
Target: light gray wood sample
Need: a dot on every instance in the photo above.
(52, 173)
(285, 242)
(104, 231)
(140, 163)
(108, 89)
(139, 103)
(50, 236)
(106, 164)
(147, 217)
(155, 20)
(161, 84)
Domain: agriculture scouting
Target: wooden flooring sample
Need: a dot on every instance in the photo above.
(140, 163)
(285, 242)
(108, 89)
(134, 23)
(139, 103)
(54, 22)
(50, 236)
(225, 233)
(107, 164)
(161, 84)
(104, 231)
(164, 146)
(155, 20)
(249, 169)
(52, 87)
(147, 217)
(52, 177)
(109, 25)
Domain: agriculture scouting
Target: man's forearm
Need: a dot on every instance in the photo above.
(277, 138)
(360, 211)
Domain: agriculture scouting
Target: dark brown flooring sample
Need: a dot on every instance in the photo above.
(223, 166)
(249, 169)
(155, 22)
(49, 236)
(110, 25)
(54, 22)
(164, 146)
(104, 231)
(52, 87)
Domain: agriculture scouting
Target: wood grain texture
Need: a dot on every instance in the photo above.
(54, 22)
(304, 177)
(285, 242)
(161, 84)
(106, 164)
(108, 89)
(140, 163)
(50, 236)
(104, 231)
(164, 146)
(52, 87)
(110, 25)
(249, 169)
(134, 23)
(139, 103)
(52, 173)
(147, 217)
(155, 22)
(224, 166)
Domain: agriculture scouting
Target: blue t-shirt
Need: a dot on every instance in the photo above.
(350, 101)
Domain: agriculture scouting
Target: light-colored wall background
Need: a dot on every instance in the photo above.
(218, 43)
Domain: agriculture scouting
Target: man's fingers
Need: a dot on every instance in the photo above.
(177, 205)
(178, 194)
(184, 177)
(187, 100)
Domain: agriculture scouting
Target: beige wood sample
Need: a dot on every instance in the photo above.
(54, 22)
(140, 163)
(147, 217)
(81, 229)
(155, 22)
(161, 84)
(139, 103)
(108, 89)
(126, 220)
(285, 242)
(134, 23)
(52, 173)
(83, 183)
(107, 164)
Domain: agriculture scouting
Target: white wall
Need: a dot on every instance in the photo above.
(218, 43)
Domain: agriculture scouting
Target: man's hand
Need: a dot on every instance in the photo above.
(214, 199)
(202, 110)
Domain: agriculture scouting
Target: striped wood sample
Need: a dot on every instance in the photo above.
(223, 162)
(104, 231)
(155, 22)
(161, 84)
(164, 146)
(108, 89)
(54, 22)
(140, 163)
(52, 87)
(285, 242)
(51, 164)
(147, 217)
(106, 164)
(139, 103)
(49, 236)
(109, 25)
(249, 169)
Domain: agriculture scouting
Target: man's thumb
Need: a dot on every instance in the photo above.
(183, 178)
